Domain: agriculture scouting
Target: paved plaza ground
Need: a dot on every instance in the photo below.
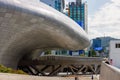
(7, 76)
(85, 77)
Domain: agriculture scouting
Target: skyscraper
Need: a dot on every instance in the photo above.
(78, 12)
(85, 7)
(78, 1)
(57, 4)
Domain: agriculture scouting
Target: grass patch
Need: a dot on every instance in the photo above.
(4, 69)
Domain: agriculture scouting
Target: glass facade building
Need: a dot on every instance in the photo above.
(57, 4)
(96, 43)
(75, 11)
(78, 12)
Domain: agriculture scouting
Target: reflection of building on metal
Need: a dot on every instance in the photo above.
(28, 28)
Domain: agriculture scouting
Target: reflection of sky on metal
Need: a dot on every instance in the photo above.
(28, 1)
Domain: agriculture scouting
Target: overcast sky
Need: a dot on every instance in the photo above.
(103, 18)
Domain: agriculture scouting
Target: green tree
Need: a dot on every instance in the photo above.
(93, 53)
(47, 52)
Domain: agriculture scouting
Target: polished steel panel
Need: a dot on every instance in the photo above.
(28, 25)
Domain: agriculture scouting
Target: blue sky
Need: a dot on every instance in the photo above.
(103, 18)
(94, 5)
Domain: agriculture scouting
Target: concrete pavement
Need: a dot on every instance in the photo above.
(86, 77)
(6, 76)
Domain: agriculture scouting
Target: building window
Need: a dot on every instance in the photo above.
(117, 45)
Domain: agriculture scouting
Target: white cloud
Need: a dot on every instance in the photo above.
(106, 21)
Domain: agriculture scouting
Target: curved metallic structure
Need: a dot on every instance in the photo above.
(28, 26)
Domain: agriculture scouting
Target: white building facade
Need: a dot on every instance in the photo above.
(114, 53)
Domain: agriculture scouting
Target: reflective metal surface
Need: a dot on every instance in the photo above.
(26, 26)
